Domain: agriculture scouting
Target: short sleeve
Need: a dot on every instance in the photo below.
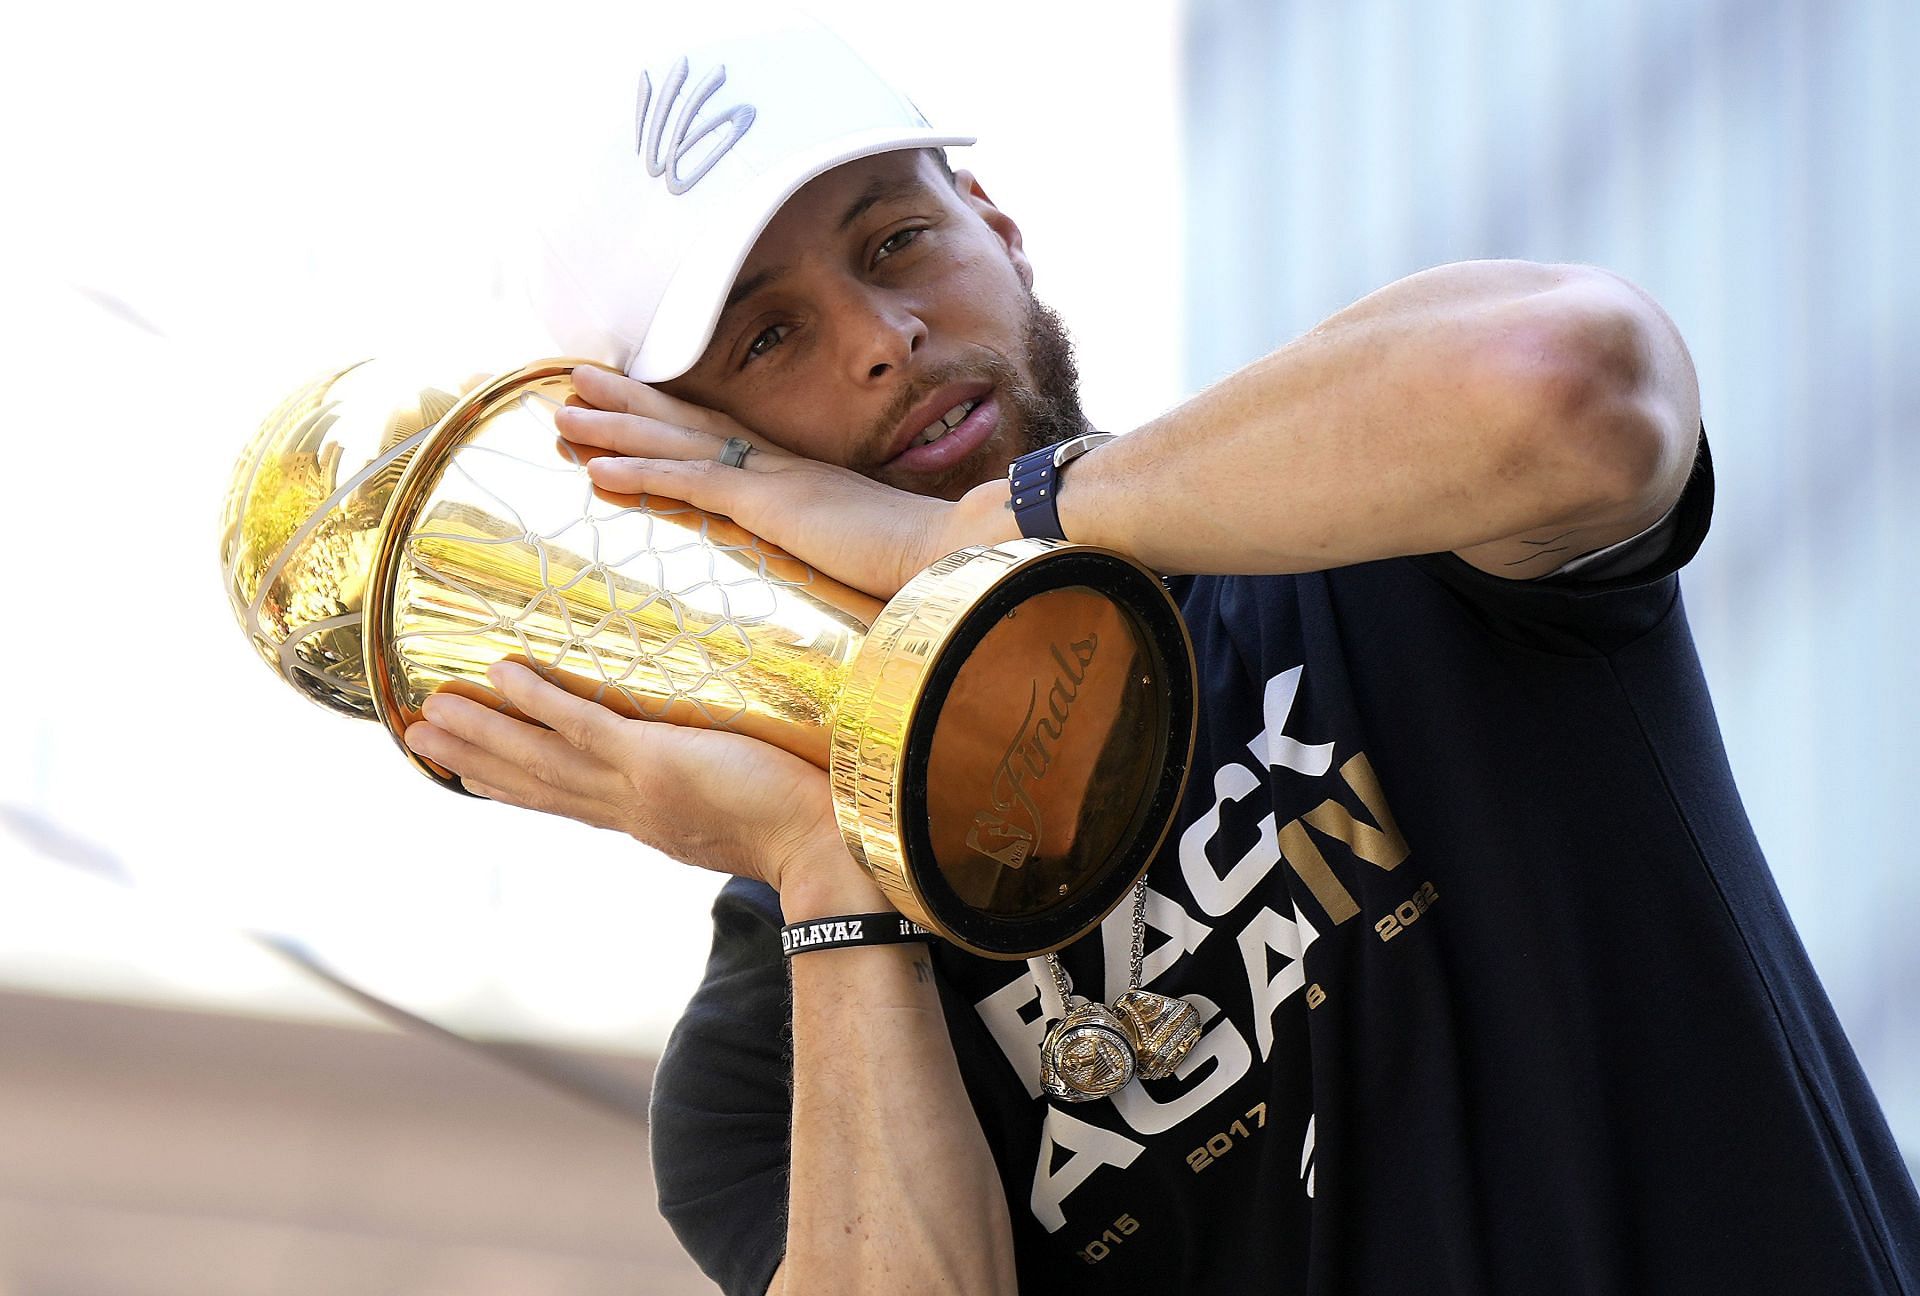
(722, 1112)
(1576, 614)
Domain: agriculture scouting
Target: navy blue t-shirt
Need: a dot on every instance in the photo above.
(1498, 993)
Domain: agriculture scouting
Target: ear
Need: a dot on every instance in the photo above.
(996, 220)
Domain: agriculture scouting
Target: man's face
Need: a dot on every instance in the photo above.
(883, 301)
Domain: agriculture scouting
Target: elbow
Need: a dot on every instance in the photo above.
(1599, 396)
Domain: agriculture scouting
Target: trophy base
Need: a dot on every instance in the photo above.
(1013, 740)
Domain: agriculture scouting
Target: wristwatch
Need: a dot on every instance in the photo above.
(1034, 481)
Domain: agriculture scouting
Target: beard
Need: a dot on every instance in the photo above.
(1049, 410)
(1041, 407)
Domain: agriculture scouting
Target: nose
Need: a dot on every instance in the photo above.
(884, 330)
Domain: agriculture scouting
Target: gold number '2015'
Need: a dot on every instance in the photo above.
(1102, 1247)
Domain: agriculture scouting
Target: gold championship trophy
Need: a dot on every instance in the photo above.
(1006, 738)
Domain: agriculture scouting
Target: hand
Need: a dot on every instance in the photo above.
(718, 800)
(862, 533)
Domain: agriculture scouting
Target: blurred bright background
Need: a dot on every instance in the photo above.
(212, 203)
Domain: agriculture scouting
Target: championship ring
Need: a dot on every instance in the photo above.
(1086, 1055)
(1163, 1031)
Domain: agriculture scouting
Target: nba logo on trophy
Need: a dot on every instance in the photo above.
(999, 840)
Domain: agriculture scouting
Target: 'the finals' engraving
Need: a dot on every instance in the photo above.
(1009, 830)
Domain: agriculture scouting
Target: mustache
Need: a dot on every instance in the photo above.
(987, 368)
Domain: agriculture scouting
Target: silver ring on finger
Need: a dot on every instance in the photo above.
(734, 453)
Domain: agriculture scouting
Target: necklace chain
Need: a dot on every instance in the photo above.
(1064, 983)
(1061, 982)
(1139, 934)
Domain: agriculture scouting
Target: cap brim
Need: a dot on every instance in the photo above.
(683, 323)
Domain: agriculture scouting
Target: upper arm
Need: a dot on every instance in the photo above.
(1615, 413)
(721, 1112)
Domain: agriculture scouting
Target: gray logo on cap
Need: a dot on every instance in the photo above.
(683, 137)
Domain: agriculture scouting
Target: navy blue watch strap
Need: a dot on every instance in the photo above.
(1031, 478)
(1034, 480)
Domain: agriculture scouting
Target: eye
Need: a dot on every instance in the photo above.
(897, 241)
(766, 340)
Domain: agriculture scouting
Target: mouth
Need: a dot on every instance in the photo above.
(947, 429)
(947, 422)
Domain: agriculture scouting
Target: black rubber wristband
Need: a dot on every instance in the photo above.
(849, 930)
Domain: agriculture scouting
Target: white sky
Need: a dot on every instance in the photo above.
(211, 203)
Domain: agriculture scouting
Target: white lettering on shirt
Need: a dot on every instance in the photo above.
(1288, 937)
(1092, 1147)
(1217, 894)
(1273, 747)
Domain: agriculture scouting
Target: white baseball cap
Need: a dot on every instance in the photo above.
(665, 185)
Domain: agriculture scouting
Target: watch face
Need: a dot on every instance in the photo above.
(1072, 448)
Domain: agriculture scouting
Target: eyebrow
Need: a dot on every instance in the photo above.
(880, 189)
(749, 286)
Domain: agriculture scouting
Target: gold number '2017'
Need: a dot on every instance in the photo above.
(1224, 1142)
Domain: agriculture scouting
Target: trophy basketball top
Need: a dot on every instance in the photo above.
(302, 519)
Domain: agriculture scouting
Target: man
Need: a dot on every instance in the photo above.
(1496, 991)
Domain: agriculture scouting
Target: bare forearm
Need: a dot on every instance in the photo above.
(892, 1186)
(1452, 408)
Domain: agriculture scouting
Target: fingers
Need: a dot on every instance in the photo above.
(635, 434)
(861, 532)
(484, 774)
(616, 393)
(719, 800)
(607, 390)
(585, 724)
(703, 483)
(517, 761)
